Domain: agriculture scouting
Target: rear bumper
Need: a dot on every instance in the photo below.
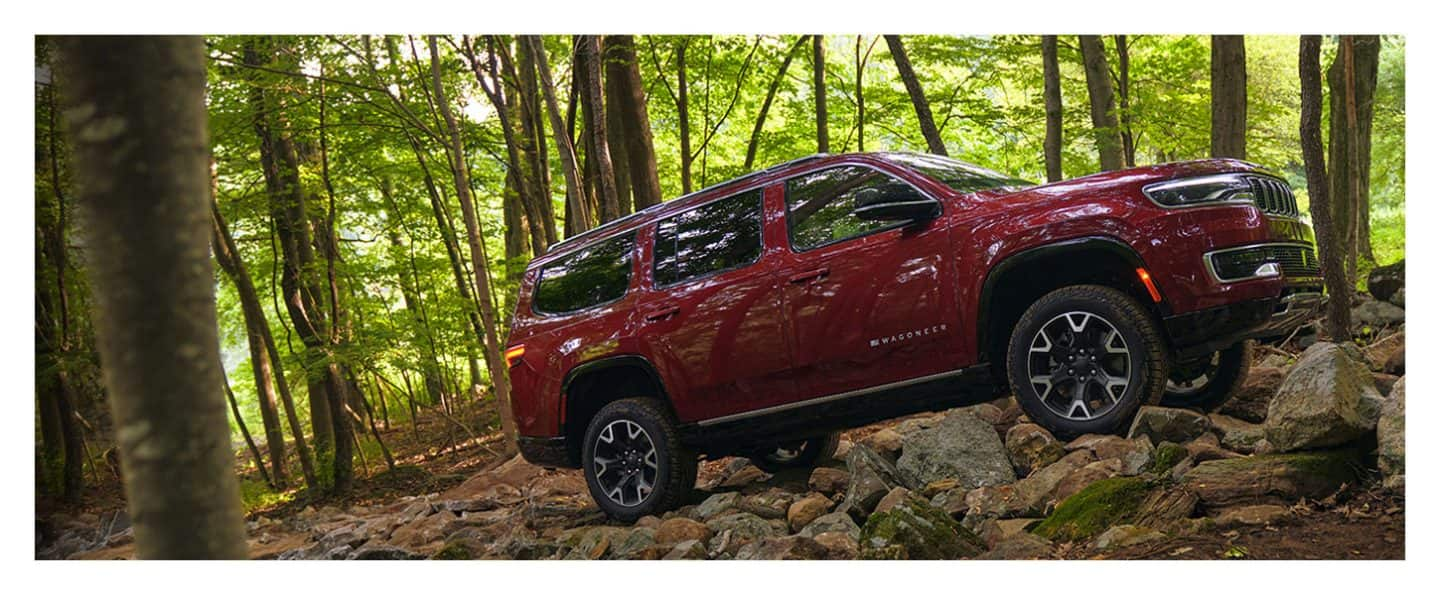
(1197, 333)
(545, 451)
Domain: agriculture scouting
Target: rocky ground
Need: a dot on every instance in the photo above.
(1306, 462)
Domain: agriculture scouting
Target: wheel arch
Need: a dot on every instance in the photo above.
(590, 386)
(1022, 277)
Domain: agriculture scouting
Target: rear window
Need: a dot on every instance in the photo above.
(719, 236)
(591, 276)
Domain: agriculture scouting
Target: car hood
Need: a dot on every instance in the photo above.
(1120, 180)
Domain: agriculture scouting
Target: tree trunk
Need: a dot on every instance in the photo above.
(615, 128)
(1351, 140)
(822, 116)
(1054, 111)
(592, 99)
(1102, 103)
(477, 250)
(280, 166)
(917, 95)
(532, 127)
(1227, 96)
(682, 109)
(1127, 136)
(859, 97)
(577, 215)
(137, 121)
(1367, 70)
(1345, 159)
(1332, 256)
(255, 325)
(754, 145)
(245, 433)
(623, 75)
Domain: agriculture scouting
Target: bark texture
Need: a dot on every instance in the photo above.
(622, 73)
(1102, 103)
(1227, 96)
(1332, 258)
(135, 110)
(1054, 110)
(822, 116)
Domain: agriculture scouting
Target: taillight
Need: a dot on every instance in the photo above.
(513, 354)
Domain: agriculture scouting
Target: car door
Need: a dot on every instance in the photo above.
(713, 317)
(868, 303)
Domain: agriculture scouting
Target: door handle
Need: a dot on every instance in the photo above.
(661, 313)
(808, 276)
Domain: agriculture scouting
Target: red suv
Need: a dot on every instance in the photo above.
(761, 316)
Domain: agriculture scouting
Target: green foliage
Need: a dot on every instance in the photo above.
(257, 495)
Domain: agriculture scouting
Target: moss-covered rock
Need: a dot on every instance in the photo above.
(1274, 478)
(1099, 506)
(1167, 456)
(914, 530)
(454, 550)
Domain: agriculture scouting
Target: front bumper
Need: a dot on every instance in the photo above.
(546, 452)
(1195, 334)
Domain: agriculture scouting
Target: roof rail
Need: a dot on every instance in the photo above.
(655, 207)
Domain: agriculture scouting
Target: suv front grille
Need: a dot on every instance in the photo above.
(1273, 196)
(1237, 264)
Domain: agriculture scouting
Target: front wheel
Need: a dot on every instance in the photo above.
(1082, 360)
(633, 460)
(1207, 383)
(798, 454)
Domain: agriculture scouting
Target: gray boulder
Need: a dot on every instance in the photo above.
(1167, 424)
(1391, 435)
(961, 446)
(1328, 399)
(1385, 281)
(1378, 313)
(833, 522)
(871, 477)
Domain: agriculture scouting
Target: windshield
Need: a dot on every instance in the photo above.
(958, 175)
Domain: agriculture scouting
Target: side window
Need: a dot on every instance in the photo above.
(591, 276)
(719, 236)
(819, 205)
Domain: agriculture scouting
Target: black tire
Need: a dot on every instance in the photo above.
(670, 472)
(796, 455)
(1207, 384)
(1084, 365)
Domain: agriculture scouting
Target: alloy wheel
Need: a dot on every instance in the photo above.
(626, 462)
(1192, 378)
(1079, 365)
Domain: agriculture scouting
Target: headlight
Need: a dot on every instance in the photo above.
(1204, 190)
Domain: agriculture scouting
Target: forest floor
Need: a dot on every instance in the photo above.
(432, 455)
(440, 452)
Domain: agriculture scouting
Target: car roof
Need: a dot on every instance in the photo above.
(639, 218)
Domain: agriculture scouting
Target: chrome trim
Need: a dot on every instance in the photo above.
(1210, 264)
(828, 398)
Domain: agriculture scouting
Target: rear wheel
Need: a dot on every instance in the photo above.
(633, 460)
(1207, 383)
(798, 454)
(1083, 359)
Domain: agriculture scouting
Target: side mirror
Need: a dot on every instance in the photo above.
(894, 202)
